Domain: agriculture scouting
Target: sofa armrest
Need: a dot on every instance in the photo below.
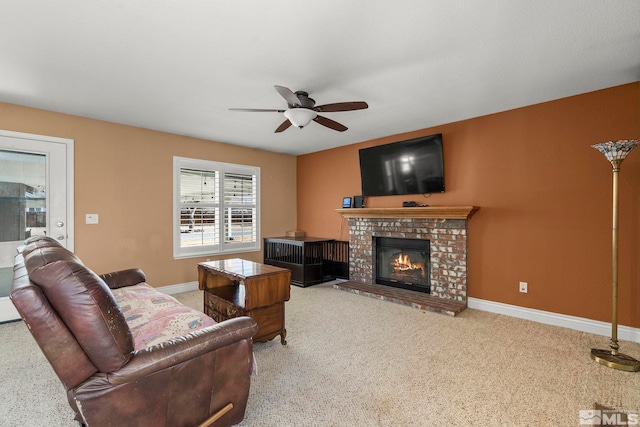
(181, 349)
(122, 278)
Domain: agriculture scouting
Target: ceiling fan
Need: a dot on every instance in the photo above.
(302, 109)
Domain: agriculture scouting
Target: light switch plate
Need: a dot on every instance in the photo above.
(92, 218)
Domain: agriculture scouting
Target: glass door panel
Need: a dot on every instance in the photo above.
(23, 201)
(36, 198)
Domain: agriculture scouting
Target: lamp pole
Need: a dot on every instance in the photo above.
(615, 152)
(614, 260)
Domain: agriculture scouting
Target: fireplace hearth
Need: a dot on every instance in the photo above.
(403, 263)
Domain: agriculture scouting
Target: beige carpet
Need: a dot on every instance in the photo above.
(357, 361)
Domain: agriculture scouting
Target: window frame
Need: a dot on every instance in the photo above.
(221, 247)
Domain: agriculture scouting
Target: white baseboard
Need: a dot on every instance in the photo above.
(180, 287)
(582, 324)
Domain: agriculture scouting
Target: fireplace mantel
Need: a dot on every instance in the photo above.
(433, 212)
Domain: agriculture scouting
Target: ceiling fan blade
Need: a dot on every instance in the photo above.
(287, 94)
(257, 110)
(331, 124)
(342, 106)
(283, 126)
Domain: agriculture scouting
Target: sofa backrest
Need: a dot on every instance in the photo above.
(81, 301)
(60, 347)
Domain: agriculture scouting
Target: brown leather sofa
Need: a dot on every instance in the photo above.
(199, 378)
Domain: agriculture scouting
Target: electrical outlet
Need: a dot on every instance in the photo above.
(524, 287)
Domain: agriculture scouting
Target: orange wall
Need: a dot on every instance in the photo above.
(125, 174)
(544, 196)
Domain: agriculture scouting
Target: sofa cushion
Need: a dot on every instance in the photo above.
(41, 239)
(35, 256)
(154, 317)
(87, 307)
(37, 242)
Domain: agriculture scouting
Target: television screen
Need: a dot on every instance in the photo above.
(414, 166)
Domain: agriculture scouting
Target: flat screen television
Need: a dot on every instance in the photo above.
(414, 166)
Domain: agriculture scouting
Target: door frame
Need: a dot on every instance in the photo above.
(7, 310)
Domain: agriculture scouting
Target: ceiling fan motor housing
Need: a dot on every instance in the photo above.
(305, 101)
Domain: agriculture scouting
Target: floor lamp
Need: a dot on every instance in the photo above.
(615, 152)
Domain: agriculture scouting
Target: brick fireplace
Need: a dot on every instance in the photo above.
(444, 227)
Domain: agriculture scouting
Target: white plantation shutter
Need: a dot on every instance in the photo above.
(199, 208)
(240, 195)
(215, 207)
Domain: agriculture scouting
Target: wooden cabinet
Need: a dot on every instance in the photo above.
(237, 287)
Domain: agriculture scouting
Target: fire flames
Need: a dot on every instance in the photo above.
(403, 263)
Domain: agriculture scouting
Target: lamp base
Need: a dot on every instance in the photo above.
(616, 361)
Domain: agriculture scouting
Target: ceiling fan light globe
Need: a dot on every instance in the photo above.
(300, 117)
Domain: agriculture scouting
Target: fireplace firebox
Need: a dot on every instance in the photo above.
(403, 263)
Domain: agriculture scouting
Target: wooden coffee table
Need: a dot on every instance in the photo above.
(237, 287)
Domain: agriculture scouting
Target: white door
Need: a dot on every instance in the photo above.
(36, 197)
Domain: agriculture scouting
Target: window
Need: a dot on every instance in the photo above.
(215, 208)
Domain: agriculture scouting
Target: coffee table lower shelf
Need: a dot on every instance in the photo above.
(270, 319)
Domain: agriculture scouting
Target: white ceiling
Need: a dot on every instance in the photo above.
(178, 66)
